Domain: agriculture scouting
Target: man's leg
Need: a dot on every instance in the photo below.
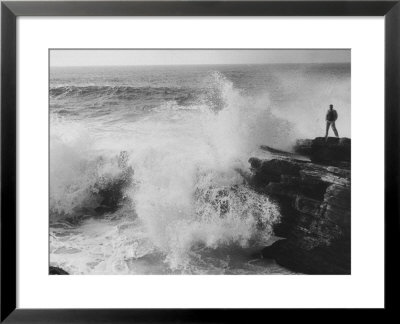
(335, 130)
(327, 130)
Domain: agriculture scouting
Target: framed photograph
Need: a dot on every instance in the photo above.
(164, 158)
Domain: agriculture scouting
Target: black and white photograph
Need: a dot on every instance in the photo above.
(199, 161)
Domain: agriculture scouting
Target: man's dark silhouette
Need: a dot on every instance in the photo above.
(331, 117)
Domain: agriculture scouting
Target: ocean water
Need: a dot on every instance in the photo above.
(144, 162)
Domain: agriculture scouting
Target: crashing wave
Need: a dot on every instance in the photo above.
(98, 187)
(184, 189)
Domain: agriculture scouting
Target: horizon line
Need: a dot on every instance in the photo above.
(195, 64)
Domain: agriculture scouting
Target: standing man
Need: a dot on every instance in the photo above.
(331, 117)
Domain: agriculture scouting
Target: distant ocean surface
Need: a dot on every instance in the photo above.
(144, 160)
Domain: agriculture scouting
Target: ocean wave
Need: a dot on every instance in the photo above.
(124, 92)
(90, 187)
(179, 175)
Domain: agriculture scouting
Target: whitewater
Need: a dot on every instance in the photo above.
(146, 163)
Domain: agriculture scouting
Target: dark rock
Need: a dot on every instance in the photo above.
(340, 172)
(315, 205)
(57, 271)
(335, 260)
(279, 167)
(255, 163)
(280, 189)
(333, 151)
(274, 167)
(338, 196)
(283, 154)
(271, 170)
(290, 180)
(307, 206)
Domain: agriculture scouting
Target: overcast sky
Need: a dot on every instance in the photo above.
(178, 57)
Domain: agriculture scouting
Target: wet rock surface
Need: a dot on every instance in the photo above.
(331, 151)
(315, 203)
(57, 271)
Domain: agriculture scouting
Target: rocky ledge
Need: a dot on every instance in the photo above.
(314, 199)
(331, 151)
(57, 271)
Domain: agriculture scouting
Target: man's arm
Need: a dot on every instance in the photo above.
(336, 115)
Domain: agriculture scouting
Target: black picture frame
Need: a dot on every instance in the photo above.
(9, 13)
